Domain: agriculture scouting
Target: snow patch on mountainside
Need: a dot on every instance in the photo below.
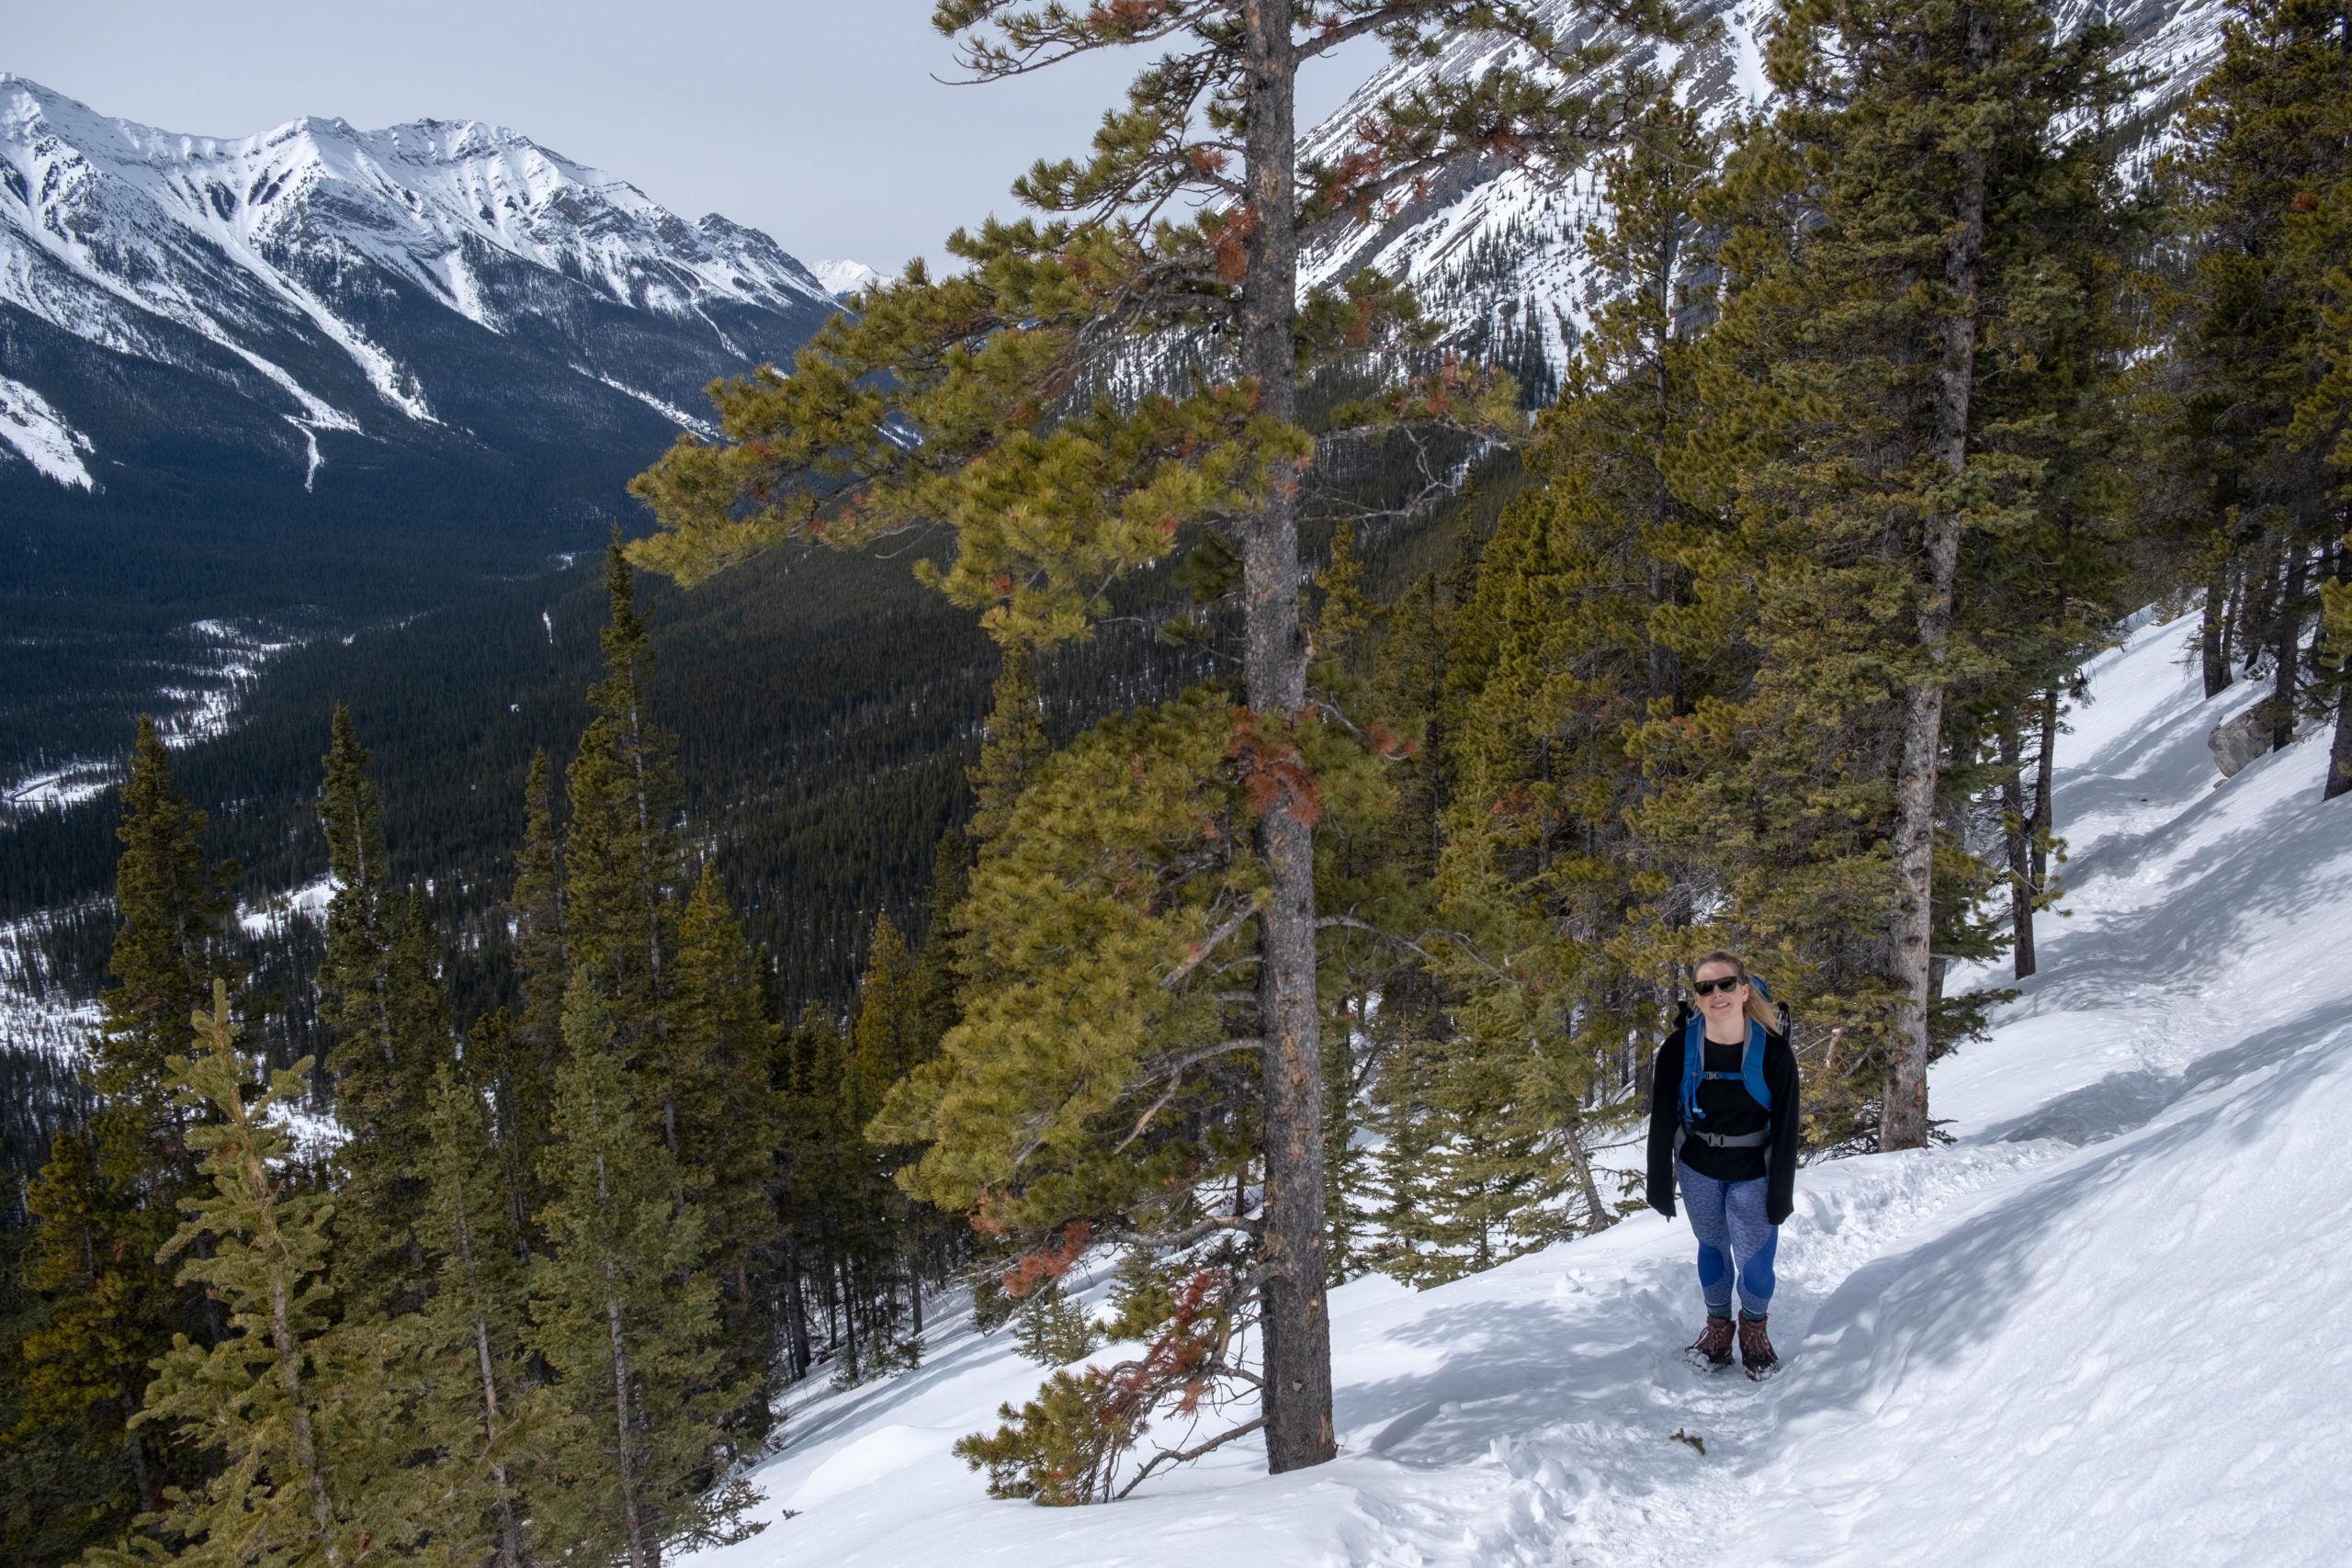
(2111, 1324)
(668, 410)
(39, 434)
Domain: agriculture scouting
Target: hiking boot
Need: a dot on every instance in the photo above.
(1714, 1344)
(1756, 1348)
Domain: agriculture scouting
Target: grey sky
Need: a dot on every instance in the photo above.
(816, 121)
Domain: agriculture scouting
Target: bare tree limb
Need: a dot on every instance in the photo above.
(1185, 1455)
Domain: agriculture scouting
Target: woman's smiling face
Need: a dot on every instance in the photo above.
(1719, 1002)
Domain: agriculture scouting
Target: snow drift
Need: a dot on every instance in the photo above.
(2108, 1324)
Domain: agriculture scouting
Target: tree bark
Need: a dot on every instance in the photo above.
(2016, 836)
(509, 1535)
(2286, 646)
(1297, 1327)
(2339, 751)
(849, 1314)
(1903, 1123)
(2214, 641)
(641, 1553)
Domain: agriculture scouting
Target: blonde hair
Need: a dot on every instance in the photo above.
(1758, 1010)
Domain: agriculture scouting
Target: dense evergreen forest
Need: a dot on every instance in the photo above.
(771, 953)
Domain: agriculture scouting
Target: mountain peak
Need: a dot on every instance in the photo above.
(281, 262)
(843, 278)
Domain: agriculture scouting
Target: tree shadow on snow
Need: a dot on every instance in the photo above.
(1936, 1302)
(2285, 863)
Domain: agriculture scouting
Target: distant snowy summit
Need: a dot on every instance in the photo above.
(843, 278)
(1494, 246)
(324, 278)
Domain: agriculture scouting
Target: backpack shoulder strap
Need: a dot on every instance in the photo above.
(1694, 1061)
(1751, 1067)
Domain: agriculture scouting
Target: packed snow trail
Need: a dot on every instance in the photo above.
(2109, 1323)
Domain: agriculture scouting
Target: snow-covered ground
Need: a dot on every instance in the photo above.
(2109, 1323)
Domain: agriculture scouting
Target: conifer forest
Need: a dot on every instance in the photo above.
(1289, 756)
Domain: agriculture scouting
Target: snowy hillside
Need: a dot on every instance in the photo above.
(321, 275)
(2110, 1322)
(1499, 244)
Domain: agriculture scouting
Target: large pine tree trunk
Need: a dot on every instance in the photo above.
(1297, 1328)
(2339, 751)
(2286, 646)
(1903, 1123)
(2017, 834)
(2214, 640)
(2339, 754)
(643, 1552)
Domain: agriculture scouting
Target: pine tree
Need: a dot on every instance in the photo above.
(1052, 1329)
(1012, 743)
(106, 1311)
(524, 1083)
(109, 1200)
(624, 855)
(1473, 1182)
(166, 954)
(296, 1421)
(380, 992)
(1584, 627)
(1058, 482)
(469, 1338)
(627, 1315)
(819, 1181)
(723, 1047)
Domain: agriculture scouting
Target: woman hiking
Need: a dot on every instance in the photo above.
(1724, 1127)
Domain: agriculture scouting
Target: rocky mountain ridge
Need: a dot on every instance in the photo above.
(320, 280)
(1496, 247)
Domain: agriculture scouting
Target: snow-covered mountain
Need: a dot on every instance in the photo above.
(843, 278)
(2109, 1322)
(1496, 247)
(323, 281)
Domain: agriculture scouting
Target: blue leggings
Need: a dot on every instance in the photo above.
(1729, 1218)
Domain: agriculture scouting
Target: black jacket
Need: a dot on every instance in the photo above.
(1781, 1154)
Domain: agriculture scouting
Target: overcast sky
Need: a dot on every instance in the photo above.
(817, 120)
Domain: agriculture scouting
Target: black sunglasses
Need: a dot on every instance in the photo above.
(1709, 988)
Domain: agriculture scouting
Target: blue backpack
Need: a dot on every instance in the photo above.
(1750, 1075)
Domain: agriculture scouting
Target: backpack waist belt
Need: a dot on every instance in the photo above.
(1754, 1140)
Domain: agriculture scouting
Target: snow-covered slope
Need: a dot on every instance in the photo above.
(2111, 1324)
(1496, 247)
(344, 280)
